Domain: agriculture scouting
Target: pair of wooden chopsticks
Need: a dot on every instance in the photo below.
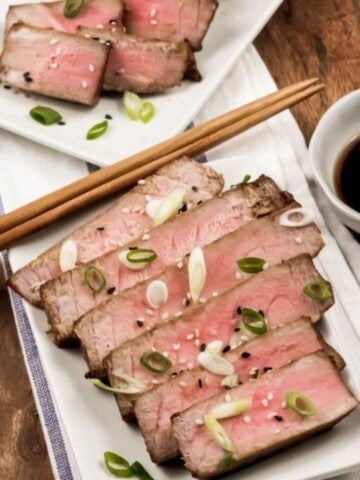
(46, 210)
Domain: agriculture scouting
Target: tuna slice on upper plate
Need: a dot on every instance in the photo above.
(95, 14)
(170, 19)
(262, 353)
(278, 293)
(144, 65)
(70, 296)
(126, 315)
(124, 221)
(308, 396)
(56, 64)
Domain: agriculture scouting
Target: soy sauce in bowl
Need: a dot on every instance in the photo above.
(347, 174)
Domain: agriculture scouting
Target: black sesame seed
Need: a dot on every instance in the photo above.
(7, 87)
(226, 349)
(202, 347)
(61, 122)
(27, 77)
(96, 38)
(174, 374)
(113, 21)
(245, 354)
(133, 248)
(199, 202)
(181, 371)
(239, 310)
(140, 323)
(240, 382)
(279, 418)
(194, 188)
(87, 375)
(183, 208)
(108, 117)
(267, 369)
(227, 387)
(200, 383)
(261, 313)
(187, 302)
(237, 329)
(111, 290)
(100, 228)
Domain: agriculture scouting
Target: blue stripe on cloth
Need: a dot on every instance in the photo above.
(50, 419)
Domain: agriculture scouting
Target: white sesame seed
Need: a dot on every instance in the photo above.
(213, 332)
(182, 384)
(141, 182)
(125, 210)
(180, 264)
(165, 353)
(91, 68)
(54, 41)
(270, 396)
(277, 431)
(202, 300)
(176, 346)
(238, 275)
(271, 415)
(84, 84)
(215, 294)
(244, 338)
(190, 336)
(196, 332)
(148, 198)
(140, 319)
(182, 361)
(298, 240)
(227, 397)
(197, 342)
(190, 365)
(54, 65)
(58, 51)
(165, 316)
(184, 302)
(150, 312)
(283, 404)
(198, 421)
(153, 21)
(264, 402)
(113, 29)
(155, 381)
(148, 328)
(99, 25)
(188, 295)
(177, 314)
(145, 237)
(246, 419)
(153, 12)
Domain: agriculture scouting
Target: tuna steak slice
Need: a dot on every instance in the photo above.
(144, 65)
(277, 292)
(124, 221)
(170, 19)
(67, 298)
(125, 316)
(96, 13)
(262, 430)
(278, 347)
(63, 71)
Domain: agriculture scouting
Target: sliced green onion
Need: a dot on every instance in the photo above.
(218, 433)
(117, 466)
(318, 290)
(141, 255)
(72, 8)
(94, 279)
(155, 362)
(230, 409)
(251, 264)
(227, 458)
(133, 386)
(97, 130)
(243, 182)
(169, 206)
(139, 471)
(133, 105)
(300, 403)
(147, 112)
(45, 115)
(253, 321)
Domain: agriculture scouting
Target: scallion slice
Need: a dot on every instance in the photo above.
(72, 8)
(45, 115)
(141, 255)
(227, 458)
(133, 105)
(97, 130)
(155, 362)
(139, 471)
(147, 112)
(253, 321)
(251, 264)
(300, 403)
(318, 290)
(117, 466)
(243, 182)
(218, 433)
(99, 384)
(94, 279)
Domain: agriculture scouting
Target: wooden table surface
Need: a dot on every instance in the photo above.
(305, 38)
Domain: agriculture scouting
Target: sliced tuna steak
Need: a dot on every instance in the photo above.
(126, 315)
(277, 292)
(63, 71)
(144, 65)
(96, 13)
(121, 223)
(170, 19)
(67, 298)
(261, 430)
(264, 352)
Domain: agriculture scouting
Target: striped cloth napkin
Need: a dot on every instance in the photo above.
(30, 170)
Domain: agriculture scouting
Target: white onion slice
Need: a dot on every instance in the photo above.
(218, 433)
(152, 206)
(306, 217)
(230, 409)
(68, 255)
(169, 206)
(215, 363)
(157, 293)
(196, 273)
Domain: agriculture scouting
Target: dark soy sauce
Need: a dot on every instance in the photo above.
(347, 174)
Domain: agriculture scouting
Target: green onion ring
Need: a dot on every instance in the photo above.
(45, 115)
(161, 362)
(117, 466)
(133, 105)
(253, 321)
(300, 403)
(97, 130)
(318, 290)
(72, 8)
(94, 279)
(141, 255)
(147, 112)
(251, 264)
(139, 471)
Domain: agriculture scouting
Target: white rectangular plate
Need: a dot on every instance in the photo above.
(90, 418)
(236, 24)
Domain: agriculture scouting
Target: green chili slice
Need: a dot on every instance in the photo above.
(45, 115)
(227, 458)
(251, 264)
(155, 362)
(117, 466)
(94, 279)
(253, 321)
(318, 290)
(300, 403)
(141, 255)
(139, 471)
(72, 8)
(97, 130)
(147, 112)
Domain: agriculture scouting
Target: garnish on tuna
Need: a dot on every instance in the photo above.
(300, 403)
(155, 362)
(72, 8)
(318, 290)
(251, 264)
(45, 115)
(94, 279)
(97, 130)
(297, 217)
(253, 321)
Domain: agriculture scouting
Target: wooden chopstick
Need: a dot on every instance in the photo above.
(50, 208)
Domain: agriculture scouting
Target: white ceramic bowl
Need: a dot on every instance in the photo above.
(338, 125)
